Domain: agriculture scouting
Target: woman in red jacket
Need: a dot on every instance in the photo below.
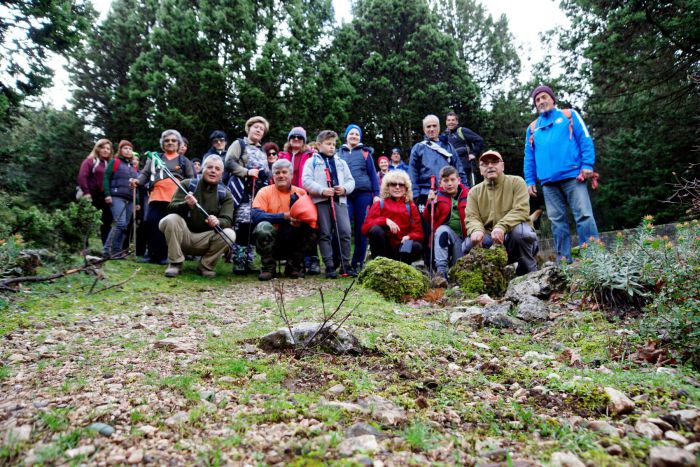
(91, 182)
(393, 224)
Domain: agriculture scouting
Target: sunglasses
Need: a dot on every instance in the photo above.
(397, 184)
(272, 153)
(296, 137)
(219, 140)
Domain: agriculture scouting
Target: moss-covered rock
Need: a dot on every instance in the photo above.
(394, 280)
(481, 271)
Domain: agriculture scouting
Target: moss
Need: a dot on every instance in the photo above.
(481, 271)
(394, 280)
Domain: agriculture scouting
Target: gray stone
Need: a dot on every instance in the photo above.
(102, 428)
(334, 341)
(532, 309)
(177, 419)
(383, 410)
(614, 450)
(18, 434)
(207, 396)
(693, 448)
(565, 459)
(619, 403)
(538, 284)
(364, 443)
(136, 457)
(349, 406)
(40, 404)
(80, 451)
(669, 456)
(664, 425)
(602, 427)
(474, 316)
(359, 429)
(689, 418)
(675, 436)
(648, 429)
(175, 345)
(336, 389)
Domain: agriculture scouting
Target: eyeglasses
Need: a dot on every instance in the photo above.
(490, 162)
(219, 140)
(296, 137)
(397, 184)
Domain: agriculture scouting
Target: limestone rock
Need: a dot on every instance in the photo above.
(619, 403)
(473, 316)
(383, 410)
(496, 315)
(175, 345)
(538, 284)
(18, 434)
(333, 340)
(675, 436)
(365, 443)
(360, 429)
(602, 427)
(645, 428)
(532, 309)
(565, 459)
(80, 451)
(669, 456)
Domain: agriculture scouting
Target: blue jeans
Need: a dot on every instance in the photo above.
(574, 193)
(358, 205)
(121, 212)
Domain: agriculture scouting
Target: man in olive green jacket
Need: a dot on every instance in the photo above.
(188, 231)
(498, 212)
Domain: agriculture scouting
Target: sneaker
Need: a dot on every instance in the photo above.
(173, 270)
(331, 274)
(350, 272)
(206, 272)
(265, 276)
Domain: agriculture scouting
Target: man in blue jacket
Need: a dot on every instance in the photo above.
(428, 157)
(559, 153)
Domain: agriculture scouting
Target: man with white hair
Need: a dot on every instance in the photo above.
(428, 157)
(188, 232)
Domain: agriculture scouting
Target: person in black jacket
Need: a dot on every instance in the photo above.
(467, 143)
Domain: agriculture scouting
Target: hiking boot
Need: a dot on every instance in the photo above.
(314, 266)
(206, 272)
(173, 270)
(331, 274)
(265, 275)
(350, 272)
(293, 271)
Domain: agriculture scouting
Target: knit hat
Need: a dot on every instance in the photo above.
(540, 89)
(297, 131)
(351, 127)
(491, 155)
(123, 143)
(382, 158)
(217, 134)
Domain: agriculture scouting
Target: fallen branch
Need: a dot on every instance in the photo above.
(326, 319)
(117, 284)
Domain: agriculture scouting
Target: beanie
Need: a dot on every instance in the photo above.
(123, 143)
(351, 127)
(540, 89)
(297, 131)
(382, 158)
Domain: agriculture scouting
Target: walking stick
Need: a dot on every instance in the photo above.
(473, 165)
(161, 165)
(133, 212)
(250, 222)
(431, 240)
(329, 181)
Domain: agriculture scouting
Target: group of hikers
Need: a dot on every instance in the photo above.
(288, 205)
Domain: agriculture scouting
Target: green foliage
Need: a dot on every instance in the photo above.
(28, 31)
(636, 65)
(481, 271)
(419, 435)
(394, 280)
(40, 156)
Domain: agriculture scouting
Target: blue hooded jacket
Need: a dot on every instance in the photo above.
(557, 153)
(426, 162)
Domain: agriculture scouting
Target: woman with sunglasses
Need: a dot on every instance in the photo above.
(393, 225)
(272, 151)
(161, 192)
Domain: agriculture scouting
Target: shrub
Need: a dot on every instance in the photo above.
(394, 280)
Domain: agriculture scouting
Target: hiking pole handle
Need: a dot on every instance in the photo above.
(329, 182)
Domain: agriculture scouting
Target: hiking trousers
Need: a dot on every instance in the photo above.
(181, 241)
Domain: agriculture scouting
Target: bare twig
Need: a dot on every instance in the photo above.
(278, 289)
(117, 284)
(326, 319)
(17, 280)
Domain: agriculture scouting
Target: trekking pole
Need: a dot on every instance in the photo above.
(431, 240)
(473, 165)
(161, 165)
(329, 181)
(250, 222)
(133, 212)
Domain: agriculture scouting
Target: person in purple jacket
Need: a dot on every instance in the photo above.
(361, 163)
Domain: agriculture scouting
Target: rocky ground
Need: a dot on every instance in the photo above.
(168, 372)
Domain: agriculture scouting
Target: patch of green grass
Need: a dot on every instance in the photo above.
(181, 383)
(419, 436)
(4, 372)
(55, 419)
(73, 385)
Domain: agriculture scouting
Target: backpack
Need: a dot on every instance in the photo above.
(567, 113)
(242, 145)
(408, 208)
(220, 190)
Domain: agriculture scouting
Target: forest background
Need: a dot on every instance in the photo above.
(632, 68)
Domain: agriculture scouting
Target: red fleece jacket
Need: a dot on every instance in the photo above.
(397, 212)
